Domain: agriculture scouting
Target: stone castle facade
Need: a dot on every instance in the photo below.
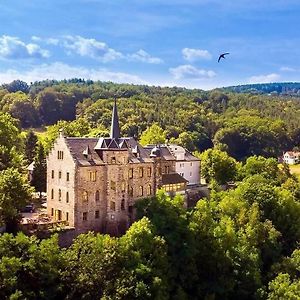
(93, 183)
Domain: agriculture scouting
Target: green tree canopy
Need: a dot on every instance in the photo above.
(153, 135)
(15, 193)
(217, 165)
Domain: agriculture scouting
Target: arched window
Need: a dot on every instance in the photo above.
(97, 196)
(85, 196)
(67, 197)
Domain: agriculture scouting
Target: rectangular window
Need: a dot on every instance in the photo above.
(149, 190)
(130, 190)
(52, 212)
(130, 173)
(141, 172)
(141, 192)
(59, 174)
(191, 164)
(68, 176)
(59, 215)
(52, 174)
(123, 186)
(67, 216)
(59, 195)
(52, 194)
(85, 196)
(92, 175)
(84, 216)
(113, 185)
(113, 205)
(113, 159)
(60, 155)
(97, 214)
(149, 171)
(67, 197)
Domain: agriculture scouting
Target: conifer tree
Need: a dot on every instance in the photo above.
(39, 174)
(30, 146)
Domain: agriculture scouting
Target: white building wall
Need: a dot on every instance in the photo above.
(290, 160)
(189, 170)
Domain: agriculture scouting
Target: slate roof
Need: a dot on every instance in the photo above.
(166, 153)
(77, 148)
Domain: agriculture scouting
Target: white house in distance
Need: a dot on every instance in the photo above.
(291, 157)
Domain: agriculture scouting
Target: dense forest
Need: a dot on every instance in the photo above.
(241, 124)
(239, 244)
(276, 88)
(242, 243)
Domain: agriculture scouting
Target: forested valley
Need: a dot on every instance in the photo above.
(242, 243)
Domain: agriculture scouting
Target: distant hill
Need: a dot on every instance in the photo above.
(277, 88)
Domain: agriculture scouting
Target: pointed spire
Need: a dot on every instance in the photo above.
(115, 127)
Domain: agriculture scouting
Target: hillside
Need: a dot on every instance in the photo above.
(276, 88)
(242, 124)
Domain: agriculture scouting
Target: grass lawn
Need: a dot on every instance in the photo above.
(40, 132)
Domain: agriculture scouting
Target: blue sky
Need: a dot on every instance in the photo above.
(150, 41)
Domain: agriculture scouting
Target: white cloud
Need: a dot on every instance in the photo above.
(273, 77)
(49, 41)
(287, 69)
(13, 48)
(91, 48)
(52, 41)
(190, 54)
(100, 50)
(144, 56)
(61, 71)
(188, 71)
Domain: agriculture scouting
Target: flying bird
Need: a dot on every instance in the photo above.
(222, 56)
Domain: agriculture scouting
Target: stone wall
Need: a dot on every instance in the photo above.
(61, 166)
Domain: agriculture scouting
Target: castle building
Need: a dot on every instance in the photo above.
(93, 183)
